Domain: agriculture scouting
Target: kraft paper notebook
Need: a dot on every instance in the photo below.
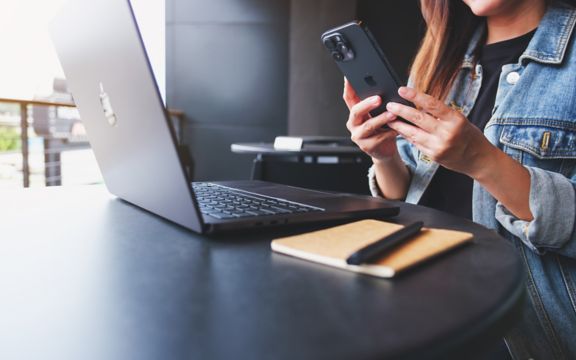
(333, 246)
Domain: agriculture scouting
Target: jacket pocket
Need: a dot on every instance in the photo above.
(545, 147)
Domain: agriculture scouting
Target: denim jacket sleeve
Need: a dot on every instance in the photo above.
(406, 151)
(553, 205)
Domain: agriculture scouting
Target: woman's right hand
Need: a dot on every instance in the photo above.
(367, 131)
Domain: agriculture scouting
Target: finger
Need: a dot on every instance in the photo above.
(421, 147)
(350, 97)
(426, 102)
(417, 117)
(372, 128)
(412, 133)
(375, 125)
(360, 112)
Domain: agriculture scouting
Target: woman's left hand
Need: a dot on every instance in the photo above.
(448, 138)
(440, 132)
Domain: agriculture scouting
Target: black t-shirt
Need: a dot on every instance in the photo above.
(450, 191)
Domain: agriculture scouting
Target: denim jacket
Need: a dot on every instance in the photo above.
(534, 122)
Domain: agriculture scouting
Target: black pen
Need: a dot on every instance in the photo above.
(377, 248)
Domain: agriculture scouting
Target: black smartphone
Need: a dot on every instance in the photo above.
(361, 60)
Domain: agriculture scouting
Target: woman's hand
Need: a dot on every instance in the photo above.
(441, 133)
(392, 175)
(366, 131)
(448, 138)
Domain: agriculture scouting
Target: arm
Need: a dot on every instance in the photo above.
(505, 178)
(552, 201)
(392, 175)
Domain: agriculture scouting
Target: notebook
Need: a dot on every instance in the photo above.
(333, 246)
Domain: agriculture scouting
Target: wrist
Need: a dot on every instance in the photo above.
(485, 163)
(391, 176)
(385, 160)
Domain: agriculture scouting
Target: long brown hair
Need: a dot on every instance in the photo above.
(450, 26)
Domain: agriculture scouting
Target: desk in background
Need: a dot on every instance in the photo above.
(320, 167)
(87, 276)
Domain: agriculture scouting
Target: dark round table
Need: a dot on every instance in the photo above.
(88, 276)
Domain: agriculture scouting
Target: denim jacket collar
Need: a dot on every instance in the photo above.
(549, 44)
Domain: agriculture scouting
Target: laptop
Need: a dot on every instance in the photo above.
(110, 76)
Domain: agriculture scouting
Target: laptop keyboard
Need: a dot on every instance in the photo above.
(222, 202)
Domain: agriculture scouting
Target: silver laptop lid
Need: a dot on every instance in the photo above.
(109, 75)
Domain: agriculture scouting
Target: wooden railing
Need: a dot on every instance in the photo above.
(24, 104)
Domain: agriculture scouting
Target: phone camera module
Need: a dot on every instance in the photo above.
(338, 47)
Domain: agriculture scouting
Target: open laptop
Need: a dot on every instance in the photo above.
(109, 74)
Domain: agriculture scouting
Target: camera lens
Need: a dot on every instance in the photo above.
(337, 56)
(329, 43)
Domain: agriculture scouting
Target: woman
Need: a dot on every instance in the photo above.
(492, 136)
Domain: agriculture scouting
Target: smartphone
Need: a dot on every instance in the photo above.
(361, 60)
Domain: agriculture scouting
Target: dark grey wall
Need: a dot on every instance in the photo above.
(397, 26)
(316, 106)
(227, 69)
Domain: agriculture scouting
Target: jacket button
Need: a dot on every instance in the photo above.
(512, 78)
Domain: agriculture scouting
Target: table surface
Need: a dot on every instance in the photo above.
(87, 276)
(318, 150)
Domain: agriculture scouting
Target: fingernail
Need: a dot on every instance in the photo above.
(375, 99)
(406, 92)
(392, 107)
